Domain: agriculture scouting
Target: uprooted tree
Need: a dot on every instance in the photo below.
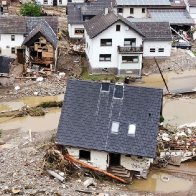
(30, 9)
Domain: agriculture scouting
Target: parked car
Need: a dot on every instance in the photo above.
(182, 44)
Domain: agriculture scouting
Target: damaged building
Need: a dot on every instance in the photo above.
(113, 127)
(32, 40)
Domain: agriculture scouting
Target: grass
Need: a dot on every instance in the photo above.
(194, 52)
(99, 77)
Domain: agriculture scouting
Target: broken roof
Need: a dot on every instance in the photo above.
(90, 110)
(12, 25)
(173, 16)
(5, 64)
(101, 22)
(45, 30)
(76, 11)
(142, 2)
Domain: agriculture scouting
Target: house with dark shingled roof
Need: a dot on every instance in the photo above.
(110, 126)
(115, 44)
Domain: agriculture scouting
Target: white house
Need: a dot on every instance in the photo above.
(114, 44)
(52, 2)
(12, 34)
(78, 13)
(110, 126)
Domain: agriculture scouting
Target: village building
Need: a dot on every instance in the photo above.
(191, 7)
(30, 39)
(110, 126)
(114, 44)
(52, 2)
(78, 13)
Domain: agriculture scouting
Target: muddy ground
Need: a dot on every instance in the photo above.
(22, 170)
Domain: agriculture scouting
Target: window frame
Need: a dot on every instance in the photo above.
(118, 10)
(143, 10)
(131, 10)
(161, 50)
(12, 37)
(13, 50)
(118, 27)
(106, 41)
(131, 130)
(78, 29)
(129, 61)
(152, 50)
(45, 2)
(115, 127)
(84, 158)
(105, 56)
(132, 40)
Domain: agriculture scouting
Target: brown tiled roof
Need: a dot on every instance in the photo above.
(12, 24)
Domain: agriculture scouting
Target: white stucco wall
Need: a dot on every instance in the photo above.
(97, 158)
(193, 13)
(50, 2)
(135, 164)
(71, 30)
(117, 40)
(137, 13)
(157, 44)
(6, 44)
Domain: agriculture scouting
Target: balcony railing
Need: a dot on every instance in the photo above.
(128, 50)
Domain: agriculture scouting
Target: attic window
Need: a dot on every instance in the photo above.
(115, 127)
(131, 130)
(105, 86)
(118, 91)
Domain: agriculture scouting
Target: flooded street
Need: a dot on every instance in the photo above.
(159, 182)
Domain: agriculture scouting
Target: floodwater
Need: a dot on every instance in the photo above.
(159, 182)
(30, 101)
(179, 111)
(36, 124)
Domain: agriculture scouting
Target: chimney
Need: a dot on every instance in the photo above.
(106, 10)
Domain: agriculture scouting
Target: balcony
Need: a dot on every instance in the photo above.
(130, 50)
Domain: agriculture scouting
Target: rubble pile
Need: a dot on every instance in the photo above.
(23, 169)
(179, 61)
(176, 145)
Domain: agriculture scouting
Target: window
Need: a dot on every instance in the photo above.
(60, 2)
(115, 127)
(152, 49)
(45, 1)
(131, 10)
(106, 42)
(129, 42)
(0, 50)
(105, 57)
(143, 10)
(13, 50)
(12, 37)
(131, 130)
(120, 10)
(85, 155)
(105, 86)
(117, 27)
(79, 31)
(130, 59)
(161, 49)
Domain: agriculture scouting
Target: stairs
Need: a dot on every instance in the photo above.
(121, 172)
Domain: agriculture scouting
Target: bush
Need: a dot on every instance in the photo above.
(30, 9)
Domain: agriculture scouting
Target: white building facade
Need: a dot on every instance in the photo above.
(111, 50)
(52, 2)
(9, 43)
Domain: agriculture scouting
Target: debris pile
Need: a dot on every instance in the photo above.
(176, 145)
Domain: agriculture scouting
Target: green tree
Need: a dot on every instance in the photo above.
(30, 9)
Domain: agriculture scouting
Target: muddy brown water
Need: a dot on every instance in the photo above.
(160, 182)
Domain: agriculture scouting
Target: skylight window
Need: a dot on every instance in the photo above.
(118, 91)
(115, 127)
(131, 130)
(105, 86)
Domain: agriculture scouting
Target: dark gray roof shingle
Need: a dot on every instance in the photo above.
(101, 22)
(12, 25)
(88, 113)
(5, 64)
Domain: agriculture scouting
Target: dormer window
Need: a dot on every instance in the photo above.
(115, 127)
(131, 130)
